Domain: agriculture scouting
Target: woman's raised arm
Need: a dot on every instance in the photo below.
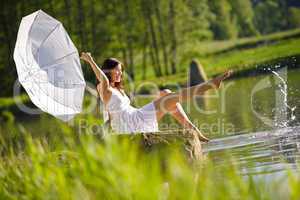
(86, 56)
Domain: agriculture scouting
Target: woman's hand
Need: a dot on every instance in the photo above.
(86, 56)
(100, 75)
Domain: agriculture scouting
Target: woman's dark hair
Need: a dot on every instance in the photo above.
(107, 66)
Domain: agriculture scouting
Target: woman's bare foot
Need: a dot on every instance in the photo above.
(217, 81)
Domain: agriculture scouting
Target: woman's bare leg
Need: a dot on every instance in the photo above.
(179, 114)
(169, 102)
(193, 147)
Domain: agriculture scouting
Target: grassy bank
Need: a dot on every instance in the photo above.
(249, 58)
(64, 166)
(218, 47)
(241, 54)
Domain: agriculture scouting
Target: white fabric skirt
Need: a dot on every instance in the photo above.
(136, 120)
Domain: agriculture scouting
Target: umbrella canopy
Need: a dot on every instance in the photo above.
(48, 66)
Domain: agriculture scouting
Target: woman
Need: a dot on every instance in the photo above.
(125, 118)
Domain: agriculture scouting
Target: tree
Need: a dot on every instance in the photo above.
(242, 10)
(172, 31)
(81, 25)
(223, 24)
(8, 27)
(147, 10)
(195, 16)
(161, 31)
(68, 11)
(268, 16)
(293, 17)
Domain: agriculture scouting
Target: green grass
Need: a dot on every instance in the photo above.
(213, 47)
(6, 102)
(202, 49)
(65, 165)
(8, 107)
(239, 55)
(248, 58)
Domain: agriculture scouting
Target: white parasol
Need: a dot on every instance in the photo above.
(48, 66)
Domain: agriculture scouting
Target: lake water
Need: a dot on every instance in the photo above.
(255, 119)
(249, 105)
(257, 126)
(244, 105)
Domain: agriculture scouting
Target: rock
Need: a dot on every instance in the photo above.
(197, 74)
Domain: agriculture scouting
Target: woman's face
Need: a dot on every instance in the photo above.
(116, 73)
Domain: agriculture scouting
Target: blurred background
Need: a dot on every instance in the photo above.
(153, 38)
(253, 120)
(157, 41)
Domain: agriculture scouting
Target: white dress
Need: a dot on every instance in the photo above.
(125, 118)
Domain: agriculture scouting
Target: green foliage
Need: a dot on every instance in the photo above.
(9, 102)
(241, 54)
(243, 12)
(7, 117)
(223, 25)
(268, 16)
(118, 168)
(249, 58)
(294, 17)
(217, 47)
(149, 37)
(194, 19)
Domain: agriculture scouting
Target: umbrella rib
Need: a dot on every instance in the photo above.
(50, 96)
(33, 73)
(47, 37)
(30, 29)
(46, 66)
(29, 32)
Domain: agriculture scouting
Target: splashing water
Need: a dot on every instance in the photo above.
(286, 108)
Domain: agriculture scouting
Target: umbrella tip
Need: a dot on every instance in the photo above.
(40, 10)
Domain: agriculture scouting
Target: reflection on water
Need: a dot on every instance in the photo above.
(260, 148)
(249, 105)
(263, 155)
